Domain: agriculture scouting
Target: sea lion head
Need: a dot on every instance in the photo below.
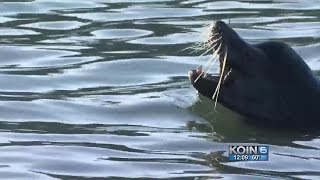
(264, 81)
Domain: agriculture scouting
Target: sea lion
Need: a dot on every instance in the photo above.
(266, 82)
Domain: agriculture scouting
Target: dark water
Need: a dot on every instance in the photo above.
(99, 89)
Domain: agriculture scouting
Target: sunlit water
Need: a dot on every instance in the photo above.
(99, 89)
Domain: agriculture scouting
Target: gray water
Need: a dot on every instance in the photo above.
(99, 88)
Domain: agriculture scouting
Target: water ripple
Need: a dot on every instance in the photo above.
(93, 89)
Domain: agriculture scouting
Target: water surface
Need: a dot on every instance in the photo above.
(99, 89)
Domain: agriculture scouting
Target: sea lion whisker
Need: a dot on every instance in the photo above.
(212, 36)
(217, 90)
(222, 51)
(216, 52)
(216, 40)
(226, 76)
(199, 75)
(208, 50)
(211, 63)
(207, 31)
(221, 76)
(196, 48)
(208, 34)
(215, 55)
(202, 46)
(210, 59)
(187, 48)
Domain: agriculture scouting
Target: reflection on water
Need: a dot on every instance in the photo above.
(97, 88)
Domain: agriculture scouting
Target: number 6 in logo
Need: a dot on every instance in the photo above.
(263, 150)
